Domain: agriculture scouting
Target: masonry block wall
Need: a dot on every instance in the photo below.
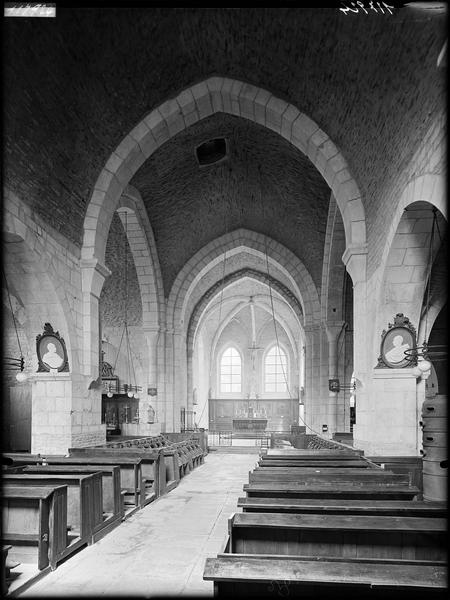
(396, 283)
(64, 412)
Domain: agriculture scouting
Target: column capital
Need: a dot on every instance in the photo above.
(355, 259)
(93, 275)
(312, 328)
(333, 329)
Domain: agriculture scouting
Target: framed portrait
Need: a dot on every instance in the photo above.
(51, 351)
(395, 341)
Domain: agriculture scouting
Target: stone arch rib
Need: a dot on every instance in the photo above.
(242, 240)
(232, 277)
(220, 94)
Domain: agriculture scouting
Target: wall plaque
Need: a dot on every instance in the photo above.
(399, 337)
(51, 351)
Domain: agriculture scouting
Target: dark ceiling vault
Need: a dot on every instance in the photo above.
(265, 185)
(74, 86)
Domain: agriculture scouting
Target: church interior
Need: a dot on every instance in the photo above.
(224, 244)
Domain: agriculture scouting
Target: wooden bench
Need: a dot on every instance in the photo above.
(237, 576)
(153, 467)
(189, 453)
(131, 479)
(300, 476)
(313, 463)
(112, 502)
(158, 463)
(35, 523)
(346, 536)
(343, 491)
(23, 458)
(410, 508)
(84, 500)
(402, 464)
(297, 453)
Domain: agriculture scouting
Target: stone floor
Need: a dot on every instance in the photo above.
(161, 550)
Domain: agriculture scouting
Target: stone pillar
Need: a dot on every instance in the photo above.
(335, 410)
(64, 414)
(93, 275)
(391, 427)
(355, 258)
(51, 413)
(152, 338)
(179, 378)
(170, 381)
(66, 406)
(314, 412)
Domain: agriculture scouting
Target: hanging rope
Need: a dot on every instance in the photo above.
(221, 301)
(273, 308)
(430, 265)
(12, 313)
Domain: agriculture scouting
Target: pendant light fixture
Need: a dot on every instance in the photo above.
(132, 390)
(10, 362)
(426, 352)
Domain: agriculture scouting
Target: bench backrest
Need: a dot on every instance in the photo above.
(36, 514)
(110, 480)
(352, 536)
(412, 508)
(84, 496)
(374, 477)
(337, 490)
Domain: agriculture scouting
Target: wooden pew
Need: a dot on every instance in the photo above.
(300, 454)
(5, 569)
(402, 464)
(151, 467)
(187, 451)
(346, 536)
(343, 491)
(35, 523)
(237, 576)
(131, 480)
(316, 476)
(23, 458)
(112, 503)
(160, 463)
(84, 500)
(410, 508)
(313, 463)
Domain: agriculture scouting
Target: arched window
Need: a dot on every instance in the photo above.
(230, 371)
(275, 370)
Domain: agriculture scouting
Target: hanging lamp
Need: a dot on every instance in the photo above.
(10, 362)
(132, 390)
(427, 353)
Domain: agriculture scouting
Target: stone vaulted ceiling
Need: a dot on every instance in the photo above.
(74, 86)
(266, 185)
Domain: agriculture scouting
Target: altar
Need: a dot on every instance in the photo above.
(249, 424)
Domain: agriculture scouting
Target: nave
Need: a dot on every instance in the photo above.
(161, 550)
(225, 224)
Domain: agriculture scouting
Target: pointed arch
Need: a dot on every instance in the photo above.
(220, 94)
(242, 241)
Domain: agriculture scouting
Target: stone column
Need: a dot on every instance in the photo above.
(355, 258)
(335, 410)
(93, 275)
(393, 414)
(66, 406)
(169, 381)
(51, 413)
(152, 338)
(314, 412)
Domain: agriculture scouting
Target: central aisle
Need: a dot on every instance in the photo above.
(161, 549)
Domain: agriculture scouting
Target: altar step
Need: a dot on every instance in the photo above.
(235, 449)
